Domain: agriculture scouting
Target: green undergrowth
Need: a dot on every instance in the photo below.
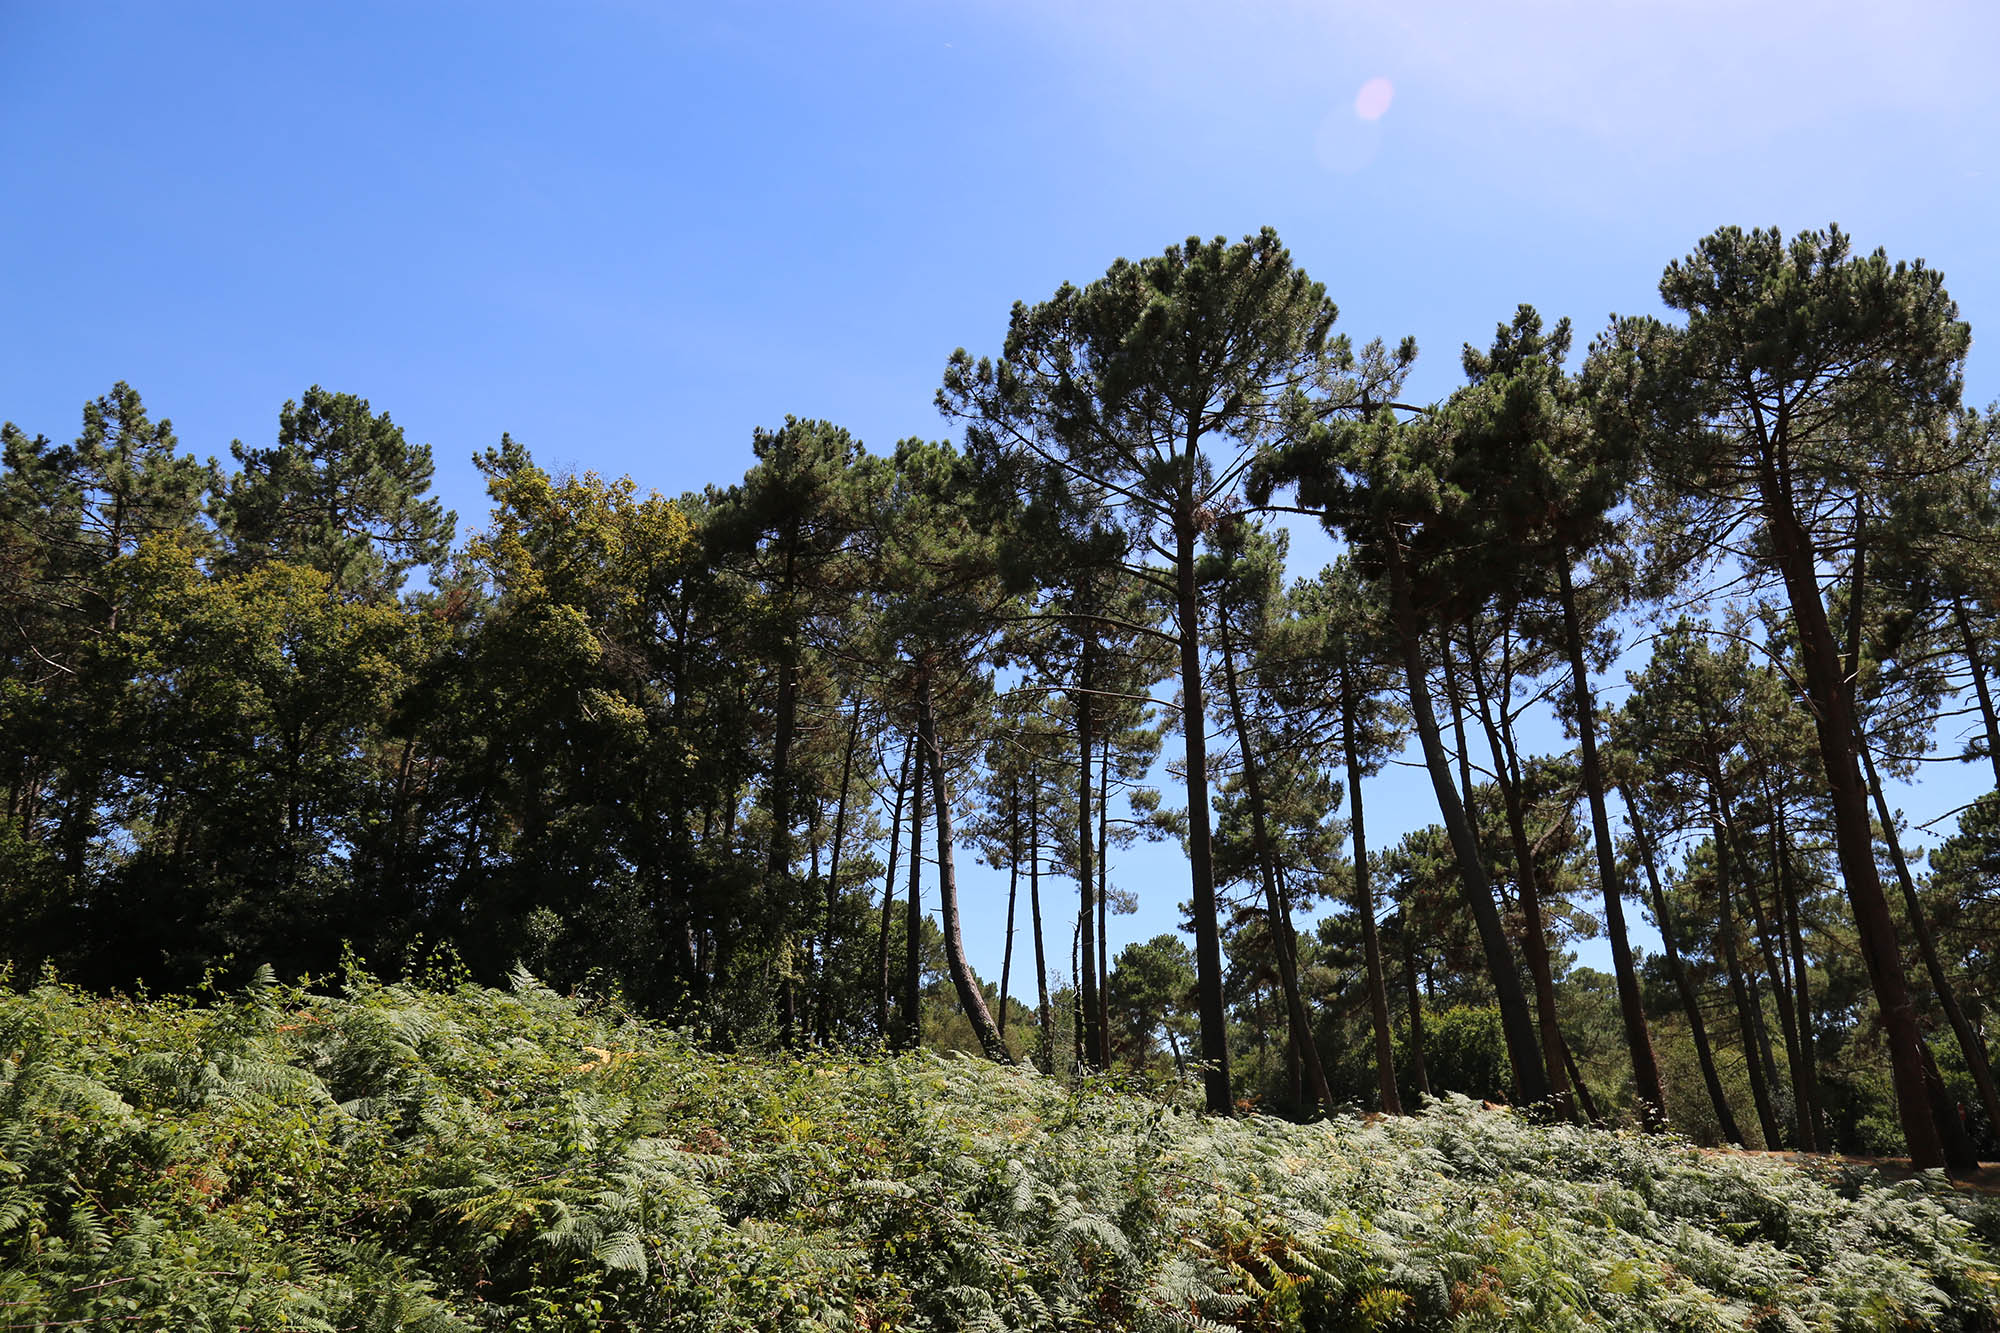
(401, 1158)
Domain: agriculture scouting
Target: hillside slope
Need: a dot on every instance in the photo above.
(404, 1158)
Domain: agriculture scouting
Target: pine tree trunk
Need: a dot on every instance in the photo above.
(969, 997)
(1583, 1097)
(1748, 1021)
(1013, 889)
(823, 1017)
(1969, 1043)
(889, 896)
(1300, 1024)
(778, 860)
(1631, 1006)
(1534, 932)
(1977, 666)
(1104, 898)
(1201, 852)
(1517, 1022)
(1725, 1119)
(1854, 841)
(1044, 1033)
(913, 910)
(1419, 1072)
(1456, 698)
(1364, 907)
(1777, 966)
(1086, 887)
(1808, 1041)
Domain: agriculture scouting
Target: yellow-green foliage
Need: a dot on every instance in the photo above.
(399, 1158)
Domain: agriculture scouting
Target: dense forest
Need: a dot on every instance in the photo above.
(716, 755)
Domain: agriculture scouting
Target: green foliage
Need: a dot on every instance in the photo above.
(471, 1159)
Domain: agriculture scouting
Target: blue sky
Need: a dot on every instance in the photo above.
(630, 233)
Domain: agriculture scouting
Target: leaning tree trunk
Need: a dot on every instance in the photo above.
(962, 980)
(1969, 1042)
(1854, 839)
(1977, 667)
(1524, 1052)
(1631, 1006)
(1281, 942)
(1534, 933)
(1364, 906)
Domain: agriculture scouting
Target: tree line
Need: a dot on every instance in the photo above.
(705, 750)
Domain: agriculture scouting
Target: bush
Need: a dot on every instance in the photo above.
(394, 1158)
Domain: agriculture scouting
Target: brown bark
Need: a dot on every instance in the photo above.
(1808, 1048)
(1523, 1050)
(1631, 1007)
(1201, 853)
(912, 1021)
(1419, 1072)
(889, 895)
(1364, 907)
(1299, 1023)
(969, 997)
(1013, 889)
(1534, 933)
(1044, 1033)
(1969, 1042)
(822, 1016)
(1980, 687)
(1748, 1020)
(1086, 888)
(1854, 841)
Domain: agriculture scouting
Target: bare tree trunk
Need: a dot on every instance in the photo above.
(1044, 1033)
(1299, 1023)
(889, 896)
(1013, 887)
(1748, 1021)
(1534, 933)
(1808, 1041)
(822, 1017)
(969, 997)
(1854, 841)
(1776, 965)
(1690, 1004)
(1969, 1042)
(913, 911)
(1086, 887)
(1975, 663)
(1419, 1071)
(1364, 907)
(1517, 1023)
(1220, 1097)
(1104, 897)
(1631, 1006)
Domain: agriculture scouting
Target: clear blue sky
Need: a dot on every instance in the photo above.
(630, 233)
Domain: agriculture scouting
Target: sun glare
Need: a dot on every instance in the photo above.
(1374, 98)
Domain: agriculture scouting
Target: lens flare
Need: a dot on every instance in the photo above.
(1374, 98)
